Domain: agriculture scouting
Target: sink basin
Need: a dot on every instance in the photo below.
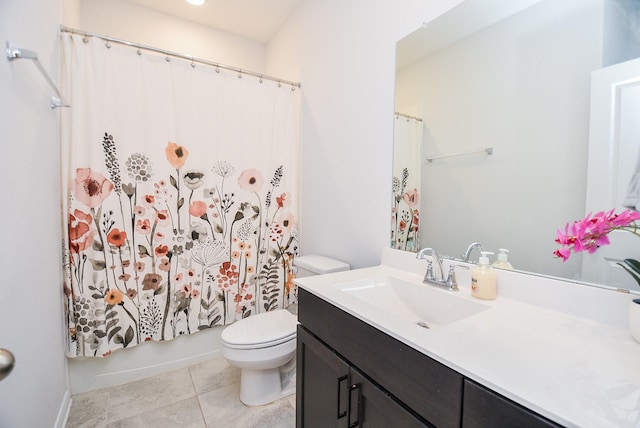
(417, 303)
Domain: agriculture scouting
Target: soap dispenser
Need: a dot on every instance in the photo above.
(483, 279)
(502, 262)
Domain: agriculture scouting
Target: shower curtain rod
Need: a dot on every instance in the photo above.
(240, 71)
(408, 117)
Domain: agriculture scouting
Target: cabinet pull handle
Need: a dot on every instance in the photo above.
(340, 380)
(356, 423)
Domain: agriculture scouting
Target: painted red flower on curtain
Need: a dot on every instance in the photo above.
(154, 256)
(405, 215)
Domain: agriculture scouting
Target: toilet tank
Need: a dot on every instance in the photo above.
(317, 265)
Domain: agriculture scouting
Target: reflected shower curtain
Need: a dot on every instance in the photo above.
(180, 196)
(407, 158)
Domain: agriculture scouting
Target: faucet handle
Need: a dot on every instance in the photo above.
(429, 276)
(451, 282)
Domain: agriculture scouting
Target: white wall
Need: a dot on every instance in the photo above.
(129, 21)
(343, 52)
(31, 325)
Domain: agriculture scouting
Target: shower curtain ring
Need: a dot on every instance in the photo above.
(85, 39)
(139, 52)
(260, 79)
(108, 45)
(217, 68)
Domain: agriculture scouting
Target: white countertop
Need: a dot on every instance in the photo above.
(575, 370)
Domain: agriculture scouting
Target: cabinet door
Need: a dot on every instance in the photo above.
(484, 408)
(372, 407)
(322, 385)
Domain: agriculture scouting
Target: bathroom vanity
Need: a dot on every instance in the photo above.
(363, 359)
(352, 374)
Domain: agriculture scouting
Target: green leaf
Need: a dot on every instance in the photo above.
(97, 245)
(114, 331)
(128, 336)
(97, 296)
(112, 323)
(203, 327)
(631, 266)
(634, 264)
(117, 339)
(217, 228)
(99, 333)
(98, 264)
(173, 182)
(204, 305)
(239, 216)
(142, 250)
(180, 203)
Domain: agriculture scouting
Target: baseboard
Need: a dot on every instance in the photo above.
(63, 413)
(142, 361)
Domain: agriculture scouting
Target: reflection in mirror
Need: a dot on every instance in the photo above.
(514, 75)
(405, 211)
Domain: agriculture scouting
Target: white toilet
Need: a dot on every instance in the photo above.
(264, 345)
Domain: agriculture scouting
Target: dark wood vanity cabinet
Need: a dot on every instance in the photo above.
(484, 408)
(332, 393)
(350, 374)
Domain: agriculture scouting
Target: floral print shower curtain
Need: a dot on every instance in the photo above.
(179, 194)
(407, 162)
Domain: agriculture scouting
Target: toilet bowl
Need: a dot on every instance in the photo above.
(264, 345)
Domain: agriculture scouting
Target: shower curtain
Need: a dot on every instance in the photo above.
(179, 196)
(405, 209)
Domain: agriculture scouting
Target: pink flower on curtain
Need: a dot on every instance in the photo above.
(143, 226)
(91, 188)
(283, 200)
(197, 208)
(250, 180)
(411, 198)
(80, 232)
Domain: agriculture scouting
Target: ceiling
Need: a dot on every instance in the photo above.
(252, 19)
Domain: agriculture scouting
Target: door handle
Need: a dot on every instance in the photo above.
(356, 387)
(340, 380)
(6, 363)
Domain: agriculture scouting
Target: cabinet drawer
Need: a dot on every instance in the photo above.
(485, 408)
(426, 386)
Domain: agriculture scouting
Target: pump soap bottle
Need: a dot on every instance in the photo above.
(503, 262)
(483, 279)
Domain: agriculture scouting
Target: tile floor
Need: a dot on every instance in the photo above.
(203, 395)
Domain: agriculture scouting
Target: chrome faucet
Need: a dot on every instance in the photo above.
(438, 278)
(470, 248)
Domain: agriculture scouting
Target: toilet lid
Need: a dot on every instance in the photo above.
(262, 330)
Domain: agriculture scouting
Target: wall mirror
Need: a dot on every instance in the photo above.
(514, 76)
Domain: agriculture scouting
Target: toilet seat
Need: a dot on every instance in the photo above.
(261, 331)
